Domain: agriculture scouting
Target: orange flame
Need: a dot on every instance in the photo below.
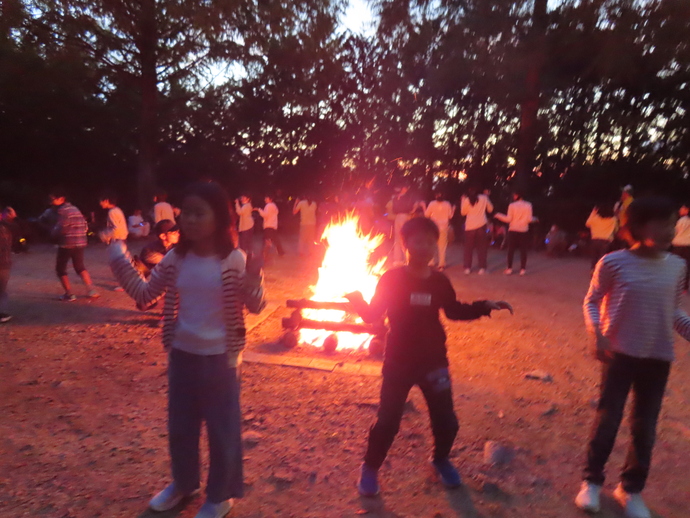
(346, 268)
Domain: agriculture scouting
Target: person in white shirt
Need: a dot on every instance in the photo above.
(440, 212)
(307, 224)
(602, 224)
(475, 207)
(243, 207)
(402, 208)
(162, 209)
(137, 226)
(681, 241)
(270, 216)
(518, 218)
(116, 227)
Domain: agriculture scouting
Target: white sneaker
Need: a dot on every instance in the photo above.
(467, 271)
(211, 510)
(588, 497)
(523, 271)
(508, 271)
(482, 271)
(632, 503)
(168, 498)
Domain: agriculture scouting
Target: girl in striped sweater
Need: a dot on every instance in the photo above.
(206, 284)
(631, 310)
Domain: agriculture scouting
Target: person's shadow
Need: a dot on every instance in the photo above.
(376, 507)
(172, 513)
(460, 501)
(458, 498)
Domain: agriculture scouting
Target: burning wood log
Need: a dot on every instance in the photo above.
(297, 322)
(343, 326)
(314, 304)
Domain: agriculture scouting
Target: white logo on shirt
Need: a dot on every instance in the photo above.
(420, 299)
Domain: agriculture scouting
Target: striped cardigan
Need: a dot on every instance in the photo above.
(239, 291)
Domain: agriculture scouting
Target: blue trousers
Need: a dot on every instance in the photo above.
(205, 388)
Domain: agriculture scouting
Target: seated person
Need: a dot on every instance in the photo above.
(137, 226)
(167, 235)
(556, 242)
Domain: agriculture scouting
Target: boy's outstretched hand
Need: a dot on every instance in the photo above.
(498, 305)
(355, 296)
(356, 299)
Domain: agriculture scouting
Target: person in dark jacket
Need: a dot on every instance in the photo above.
(412, 296)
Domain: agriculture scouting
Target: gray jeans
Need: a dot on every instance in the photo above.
(205, 388)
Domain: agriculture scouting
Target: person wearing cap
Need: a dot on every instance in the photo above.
(167, 235)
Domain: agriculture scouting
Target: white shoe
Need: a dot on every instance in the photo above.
(211, 510)
(481, 271)
(508, 271)
(632, 503)
(168, 498)
(467, 271)
(523, 271)
(588, 497)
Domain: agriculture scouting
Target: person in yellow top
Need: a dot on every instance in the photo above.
(621, 211)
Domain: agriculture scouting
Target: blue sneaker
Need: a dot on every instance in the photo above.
(368, 481)
(168, 498)
(211, 510)
(447, 473)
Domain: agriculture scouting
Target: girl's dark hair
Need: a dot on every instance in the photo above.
(606, 209)
(644, 210)
(419, 226)
(473, 195)
(58, 192)
(225, 218)
(161, 196)
(108, 195)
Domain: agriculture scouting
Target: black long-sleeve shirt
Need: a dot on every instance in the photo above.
(416, 340)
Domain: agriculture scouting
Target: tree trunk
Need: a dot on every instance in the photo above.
(148, 134)
(527, 136)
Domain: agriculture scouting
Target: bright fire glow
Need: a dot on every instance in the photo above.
(346, 268)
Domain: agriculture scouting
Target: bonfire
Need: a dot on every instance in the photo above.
(324, 320)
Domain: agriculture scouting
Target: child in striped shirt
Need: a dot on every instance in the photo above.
(632, 308)
(206, 284)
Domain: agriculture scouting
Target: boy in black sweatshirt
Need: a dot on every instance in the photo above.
(412, 296)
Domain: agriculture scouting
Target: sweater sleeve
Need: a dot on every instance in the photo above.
(456, 310)
(506, 218)
(143, 292)
(251, 282)
(601, 283)
(681, 320)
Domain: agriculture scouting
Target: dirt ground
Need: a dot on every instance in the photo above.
(83, 407)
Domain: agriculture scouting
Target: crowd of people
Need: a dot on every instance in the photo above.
(206, 279)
